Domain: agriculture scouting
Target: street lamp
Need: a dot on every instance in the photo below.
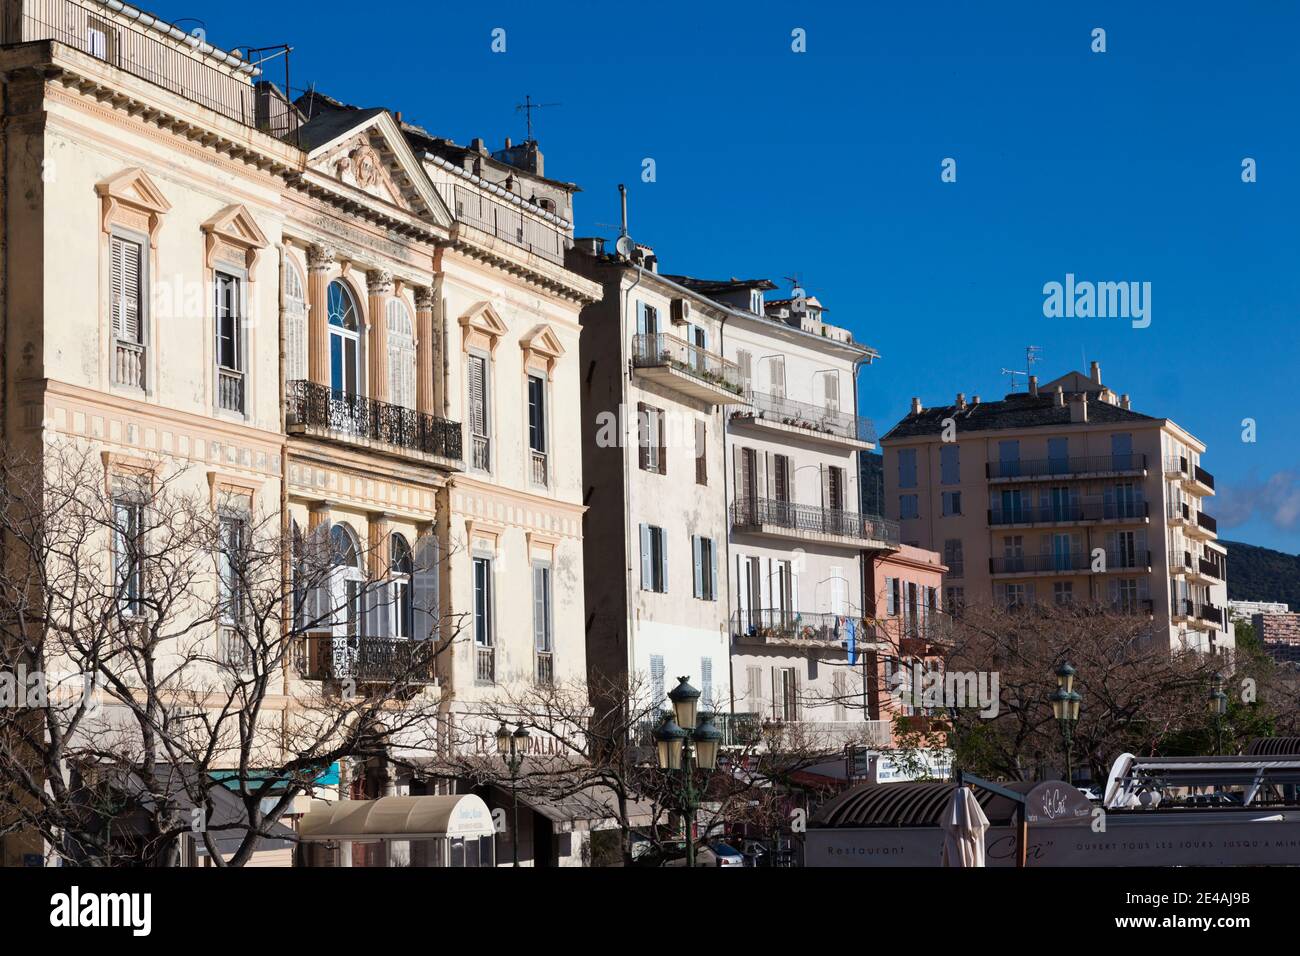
(683, 743)
(1218, 707)
(512, 747)
(1065, 708)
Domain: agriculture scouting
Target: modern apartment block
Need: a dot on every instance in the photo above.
(798, 542)
(1064, 493)
(654, 395)
(1279, 632)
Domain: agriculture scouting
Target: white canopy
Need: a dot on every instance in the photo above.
(398, 818)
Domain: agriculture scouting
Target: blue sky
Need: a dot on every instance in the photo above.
(1123, 165)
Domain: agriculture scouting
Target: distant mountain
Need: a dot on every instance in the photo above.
(1262, 574)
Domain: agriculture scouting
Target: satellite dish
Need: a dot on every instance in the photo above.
(625, 246)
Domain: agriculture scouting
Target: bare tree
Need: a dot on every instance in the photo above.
(174, 642)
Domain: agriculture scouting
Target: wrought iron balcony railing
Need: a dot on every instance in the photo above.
(787, 411)
(366, 660)
(313, 405)
(661, 350)
(1082, 510)
(1064, 467)
(760, 512)
(545, 668)
(780, 624)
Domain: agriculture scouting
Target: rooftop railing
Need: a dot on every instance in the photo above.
(176, 66)
(509, 223)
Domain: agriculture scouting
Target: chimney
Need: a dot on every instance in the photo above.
(917, 408)
(961, 401)
(1124, 402)
(507, 142)
(1033, 385)
(1095, 373)
(1058, 397)
(1078, 407)
(398, 117)
(974, 400)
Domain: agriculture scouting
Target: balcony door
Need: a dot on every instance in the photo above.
(345, 341)
(1009, 458)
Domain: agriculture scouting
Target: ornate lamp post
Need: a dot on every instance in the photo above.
(1065, 708)
(1219, 708)
(512, 747)
(682, 744)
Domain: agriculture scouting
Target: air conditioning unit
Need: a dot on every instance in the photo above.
(681, 311)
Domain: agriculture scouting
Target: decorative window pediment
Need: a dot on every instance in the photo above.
(482, 322)
(542, 345)
(133, 200)
(233, 235)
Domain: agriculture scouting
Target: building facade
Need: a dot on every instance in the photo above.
(310, 311)
(654, 397)
(799, 545)
(1064, 494)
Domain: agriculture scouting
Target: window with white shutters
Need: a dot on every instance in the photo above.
(424, 583)
(401, 354)
(480, 444)
(295, 324)
(127, 259)
(657, 680)
(706, 683)
(542, 608)
(832, 387)
(778, 376)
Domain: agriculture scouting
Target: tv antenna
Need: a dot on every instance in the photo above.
(527, 107)
(797, 294)
(1032, 356)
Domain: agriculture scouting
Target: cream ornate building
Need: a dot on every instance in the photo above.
(298, 306)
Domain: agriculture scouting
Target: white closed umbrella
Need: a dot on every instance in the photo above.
(964, 826)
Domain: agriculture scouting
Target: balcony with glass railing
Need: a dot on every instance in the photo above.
(687, 369)
(817, 423)
(1092, 466)
(1077, 511)
(785, 519)
(318, 411)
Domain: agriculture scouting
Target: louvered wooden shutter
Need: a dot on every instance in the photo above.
(478, 395)
(126, 288)
(539, 608)
(424, 584)
(832, 392)
(295, 322)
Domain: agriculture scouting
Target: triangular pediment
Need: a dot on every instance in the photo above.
(237, 224)
(366, 151)
(134, 188)
(543, 340)
(482, 317)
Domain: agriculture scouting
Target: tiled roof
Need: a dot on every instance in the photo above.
(708, 286)
(1018, 410)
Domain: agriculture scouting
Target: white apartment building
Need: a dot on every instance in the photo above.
(798, 541)
(655, 392)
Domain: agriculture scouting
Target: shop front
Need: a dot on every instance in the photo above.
(453, 830)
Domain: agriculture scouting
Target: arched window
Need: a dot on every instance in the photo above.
(401, 567)
(346, 583)
(401, 354)
(295, 323)
(345, 339)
